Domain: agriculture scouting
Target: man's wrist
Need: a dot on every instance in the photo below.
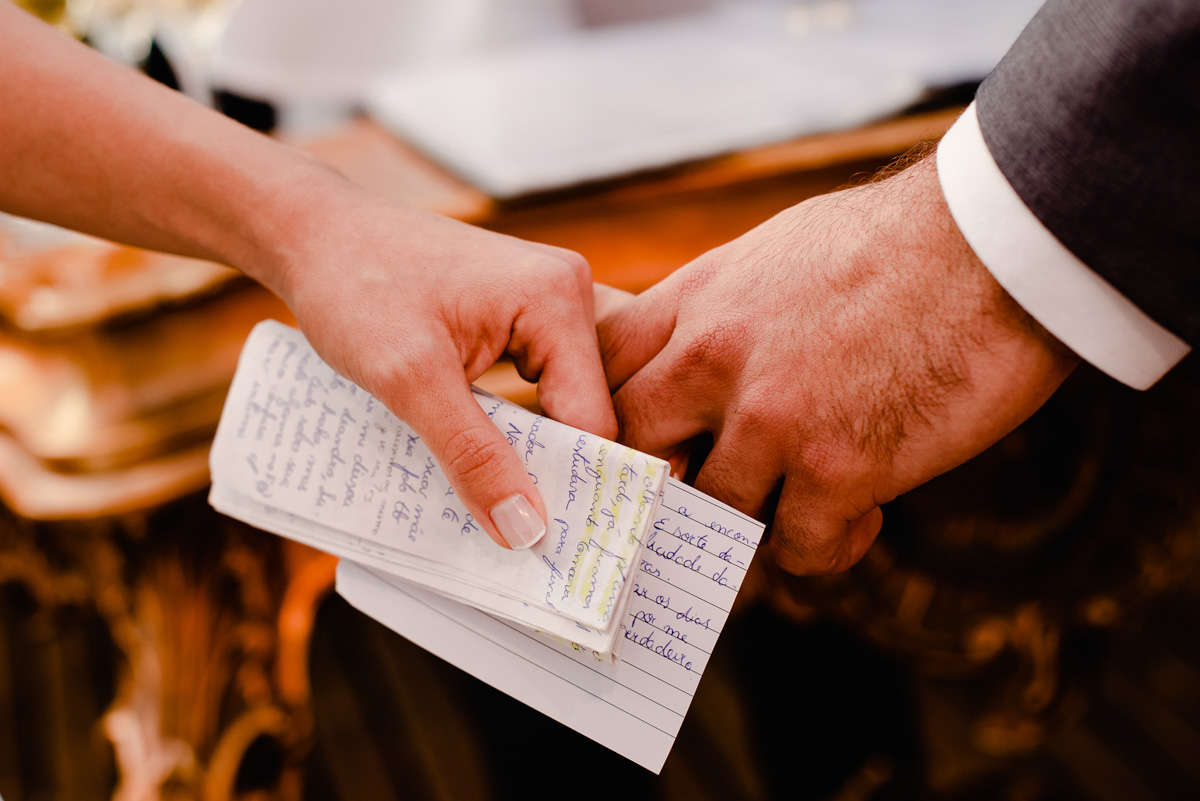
(1040, 273)
(917, 216)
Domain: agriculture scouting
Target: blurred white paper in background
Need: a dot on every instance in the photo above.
(941, 42)
(318, 50)
(612, 101)
(520, 96)
(617, 100)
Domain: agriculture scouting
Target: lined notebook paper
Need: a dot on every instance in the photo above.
(683, 588)
(606, 624)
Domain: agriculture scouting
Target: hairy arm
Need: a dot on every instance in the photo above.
(840, 354)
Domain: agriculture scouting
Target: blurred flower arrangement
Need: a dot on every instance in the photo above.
(125, 29)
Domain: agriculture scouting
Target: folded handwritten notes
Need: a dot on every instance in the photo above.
(631, 584)
(297, 442)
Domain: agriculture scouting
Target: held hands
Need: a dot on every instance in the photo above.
(413, 307)
(842, 353)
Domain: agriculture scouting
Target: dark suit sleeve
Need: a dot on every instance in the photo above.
(1093, 117)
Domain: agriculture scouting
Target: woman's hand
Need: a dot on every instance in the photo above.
(413, 307)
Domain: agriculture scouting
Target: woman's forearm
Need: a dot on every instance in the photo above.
(410, 305)
(88, 144)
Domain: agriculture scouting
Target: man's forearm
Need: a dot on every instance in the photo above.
(93, 146)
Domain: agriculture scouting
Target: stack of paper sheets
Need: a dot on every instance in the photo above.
(298, 443)
(631, 558)
(684, 587)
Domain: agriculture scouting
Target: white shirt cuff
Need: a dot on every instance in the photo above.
(1075, 304)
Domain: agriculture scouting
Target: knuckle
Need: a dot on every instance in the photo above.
(577, 265)
(791, 539)
(700, 273)
(615, 336)
(472, 454)
(423, 352)
(612, 342)
(802, 551)
(726, 482)
(826, 462)
(394, 379)
(712, 348)
(793, 559)
(756, 413)
(635, 416)
(731, 489)
(562, 273)
(625, 405)
(390, 381)
(556, 292)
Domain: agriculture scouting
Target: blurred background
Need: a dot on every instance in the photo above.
(1022, 630)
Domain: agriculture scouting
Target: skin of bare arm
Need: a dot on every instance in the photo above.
(410, 305)
(840, 354)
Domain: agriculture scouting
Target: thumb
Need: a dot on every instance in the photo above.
(558, 347)
(486, 473)
(632, 329)
(608, 299)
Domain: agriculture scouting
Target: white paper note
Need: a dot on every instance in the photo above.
(299, 444)
(684, 586)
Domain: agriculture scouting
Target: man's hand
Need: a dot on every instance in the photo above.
(413, 307)
(842, 353)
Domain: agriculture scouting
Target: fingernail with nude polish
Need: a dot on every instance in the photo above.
(518, 523)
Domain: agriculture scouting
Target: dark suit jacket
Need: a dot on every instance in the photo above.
(1093, 116)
